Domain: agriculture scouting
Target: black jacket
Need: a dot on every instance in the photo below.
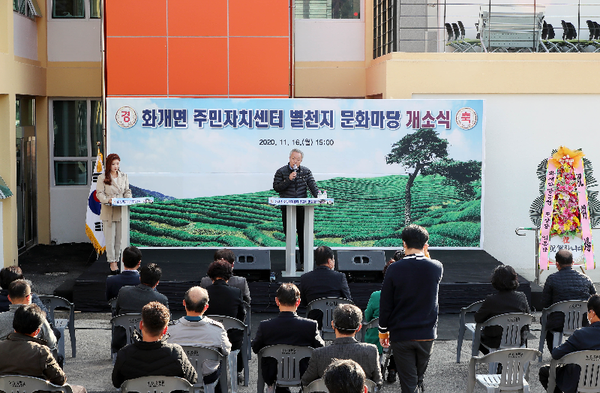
(142, 359)
(567, 284)
(296, 188)
(501, 302)
(323, 282)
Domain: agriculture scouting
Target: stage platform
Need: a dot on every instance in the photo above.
(466, 279)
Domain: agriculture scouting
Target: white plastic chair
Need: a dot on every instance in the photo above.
(372, 324)
(130, 322)
(327, 305)
(288, 359)
(462, 327)
(234, 323)
(197, 354)
(52, 302)
(515, 370)
(589, 377)
(574, 310)
(25, 384)
(155, 384)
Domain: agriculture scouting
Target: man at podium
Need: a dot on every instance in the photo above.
(293, 181)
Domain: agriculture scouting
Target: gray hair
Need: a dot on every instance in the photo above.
(297, 151)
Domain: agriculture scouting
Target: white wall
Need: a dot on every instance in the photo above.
(67, 213)
(74, 40)
(26, 44)
(329, 40)
(520, 131)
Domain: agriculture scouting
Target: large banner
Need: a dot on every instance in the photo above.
(209, 164)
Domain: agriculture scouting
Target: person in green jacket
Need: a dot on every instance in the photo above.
(372, 312)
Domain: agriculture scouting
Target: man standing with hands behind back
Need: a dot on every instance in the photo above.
(408, 311)
(293, 181)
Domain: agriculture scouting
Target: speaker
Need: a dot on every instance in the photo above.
(255, 265)
(362, 265)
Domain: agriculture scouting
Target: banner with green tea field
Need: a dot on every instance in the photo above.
(209, 164)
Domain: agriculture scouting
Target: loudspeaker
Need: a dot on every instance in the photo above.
(362, 265)
(255, 265)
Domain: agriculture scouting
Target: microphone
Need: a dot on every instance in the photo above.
(295, 169)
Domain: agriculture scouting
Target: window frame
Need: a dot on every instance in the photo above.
(90, 159)
(360, 18)
(87, 11)
(27, 8)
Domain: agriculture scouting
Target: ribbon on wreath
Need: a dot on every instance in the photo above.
(586, 226)
(547, 214)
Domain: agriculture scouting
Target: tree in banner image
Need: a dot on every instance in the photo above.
(426, 153)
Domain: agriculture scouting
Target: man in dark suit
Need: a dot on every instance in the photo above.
(567, 376)
(133, 299)
(287, 328)
(235, 281)
(323, 281)
(347, 319)
(132, 258)
(226, 300)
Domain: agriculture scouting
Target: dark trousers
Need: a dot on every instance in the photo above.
(299, 229)
(210, 378)
(411, 358)
(544, 376)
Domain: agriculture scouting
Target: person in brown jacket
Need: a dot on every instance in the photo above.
(29, 355)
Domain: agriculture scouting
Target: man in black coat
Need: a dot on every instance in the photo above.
(323, 281)
(152, 355)
(287, 328)
(567, 376)
(293, 181)
(132, 258)
(566, 284)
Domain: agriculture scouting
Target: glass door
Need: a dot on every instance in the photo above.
(26, 173)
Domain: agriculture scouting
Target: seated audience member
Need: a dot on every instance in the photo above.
(195, 329)
(132, 258)
(226, 301)
(133, 299)
(567, 376)
(347, 319)
(504, 280)
(24, 354)
(372, 312)
(345, 376)
(234, 281)
(19, 293)
(152, 355)
(322, 282)
(287, 328)
(9, 274)
(566, 284)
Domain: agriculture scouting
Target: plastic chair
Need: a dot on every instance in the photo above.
(515, 370)
(130, 322)
(327, 305)
(233, 323)
(589, 361)
(155, 384)
(197, 354)
(25, 384)
(318, 385)
(248, 322)
(372, 324)
(288, 359)
(574, 310)
(113, 306)
(52, 302)
(511, 324)
(471, 308)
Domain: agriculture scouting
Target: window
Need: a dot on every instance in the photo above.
(68, 9)
(77, 129)
(327, 9)
(384, 22)
(95, 12)
(29, 8)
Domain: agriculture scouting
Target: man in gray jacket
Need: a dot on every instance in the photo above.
(195, 329)
(19, 293)
(347, 319)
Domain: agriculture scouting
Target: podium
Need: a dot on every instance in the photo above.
(125, 203)
(290, 236)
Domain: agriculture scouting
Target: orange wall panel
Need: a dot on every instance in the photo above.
(259, 18)
(259, 66)
(136, 18)
(136, 66)
(193, 18)
(197, 66)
